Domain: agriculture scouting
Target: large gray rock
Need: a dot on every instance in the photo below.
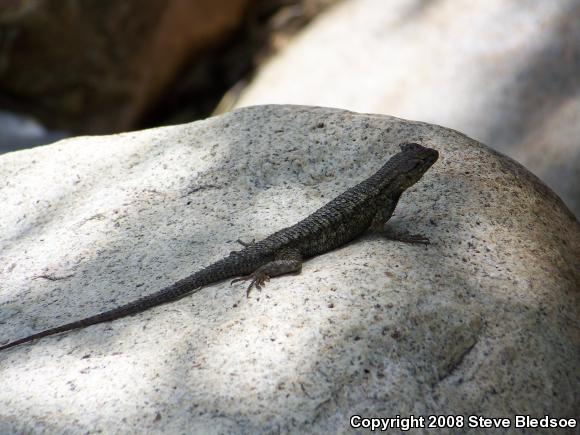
(506, 72)
(484, 321)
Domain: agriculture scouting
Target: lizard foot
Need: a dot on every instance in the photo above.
(258, 280)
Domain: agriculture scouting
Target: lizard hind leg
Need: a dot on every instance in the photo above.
(287, 260)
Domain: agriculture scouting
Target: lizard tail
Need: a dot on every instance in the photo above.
(215, 272)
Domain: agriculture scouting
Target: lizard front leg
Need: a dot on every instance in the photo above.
(381, 218)
(287, 260)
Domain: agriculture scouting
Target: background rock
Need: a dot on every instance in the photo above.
(97, 66)
(483, 321)
(504, 72)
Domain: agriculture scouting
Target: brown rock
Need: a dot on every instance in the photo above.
(96, 66)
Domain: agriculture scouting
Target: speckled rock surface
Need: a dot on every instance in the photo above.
(484, 321)
(505, 72)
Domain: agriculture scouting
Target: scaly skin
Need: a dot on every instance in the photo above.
(369, 204)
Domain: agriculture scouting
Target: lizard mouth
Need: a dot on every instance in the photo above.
(432, 156)
(423, 156)
(421, 152)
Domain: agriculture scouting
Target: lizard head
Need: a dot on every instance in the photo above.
(408, 166)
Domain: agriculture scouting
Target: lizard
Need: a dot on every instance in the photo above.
(367, 205)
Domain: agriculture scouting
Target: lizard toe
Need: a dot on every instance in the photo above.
(259, 280)
(241, 278)
(418, 238)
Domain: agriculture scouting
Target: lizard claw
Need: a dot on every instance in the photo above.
(407, 238)
(258, 280)
(415, 238)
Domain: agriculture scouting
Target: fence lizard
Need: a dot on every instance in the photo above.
(369, 204)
